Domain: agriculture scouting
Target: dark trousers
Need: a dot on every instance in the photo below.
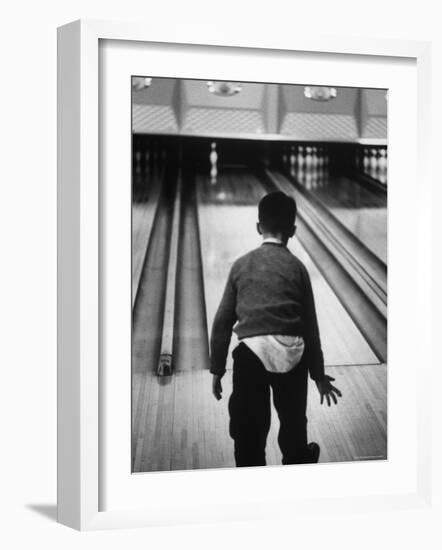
(249, 410)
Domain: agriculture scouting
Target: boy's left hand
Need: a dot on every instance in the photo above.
(325, 388)
(217, 388)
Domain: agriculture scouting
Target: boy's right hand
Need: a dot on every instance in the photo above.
(217, 389)
(325, 388)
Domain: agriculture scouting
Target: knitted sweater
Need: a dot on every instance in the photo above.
(268, 291)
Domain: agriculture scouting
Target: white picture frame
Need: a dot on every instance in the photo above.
(80, 446)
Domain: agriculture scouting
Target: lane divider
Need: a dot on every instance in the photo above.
(165, 363)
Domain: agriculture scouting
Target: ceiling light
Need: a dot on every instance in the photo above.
(141, 82)
(320, 93)
(225, 89)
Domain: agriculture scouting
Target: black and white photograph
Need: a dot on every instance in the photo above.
(259, 274)
(221, 264)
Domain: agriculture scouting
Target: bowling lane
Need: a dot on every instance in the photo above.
(360, 210)
(190, 348)
(228, 230)
(147, 323)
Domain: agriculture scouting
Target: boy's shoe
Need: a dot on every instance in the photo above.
(313, 451)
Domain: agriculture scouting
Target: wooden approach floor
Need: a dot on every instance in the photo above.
(355, 429)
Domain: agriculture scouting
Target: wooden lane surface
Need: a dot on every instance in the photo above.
(369, 225)
(144, 208)
(234, 186)
(228, 231)
(186, 428)
(362, 211)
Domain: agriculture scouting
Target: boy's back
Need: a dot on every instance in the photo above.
(270, 287)
(268, 291)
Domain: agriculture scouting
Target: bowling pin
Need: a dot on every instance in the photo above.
(284, 158)
(300, 157)
(213, 163)
(373, 162)
(383, 159)
(300, 175)
(315, 159)
(315, 178)
(321, 176)
(292, 162)
(308, 158)
(137, 162)
(357, 159)
(320, 158)
(366, 160)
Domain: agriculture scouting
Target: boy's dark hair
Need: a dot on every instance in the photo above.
(277, 212)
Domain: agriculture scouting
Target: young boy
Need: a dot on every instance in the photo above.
(269, 299)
